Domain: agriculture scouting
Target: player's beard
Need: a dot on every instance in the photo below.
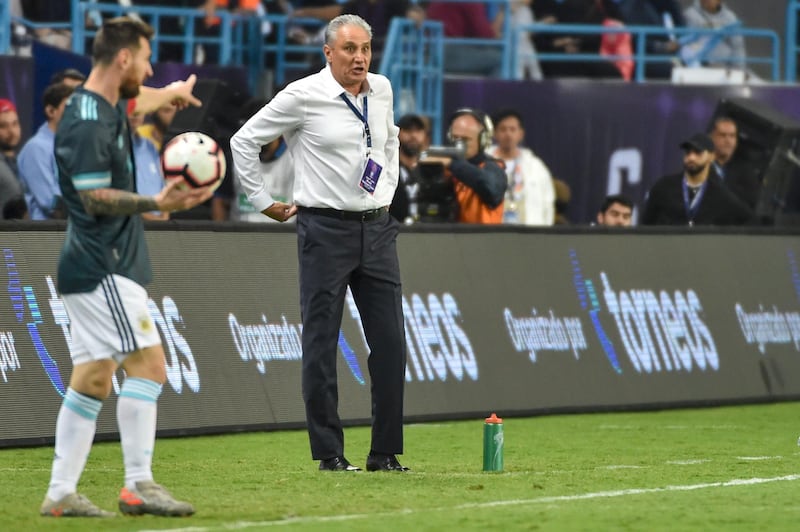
(130, 87)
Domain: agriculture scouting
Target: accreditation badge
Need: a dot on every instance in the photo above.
(369, 179)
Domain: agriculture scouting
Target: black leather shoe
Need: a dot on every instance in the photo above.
(384, 462)
(337, 463)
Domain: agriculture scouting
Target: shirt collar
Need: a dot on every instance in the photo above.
(332, 87)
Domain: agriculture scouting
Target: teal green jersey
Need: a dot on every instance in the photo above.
(93, 150)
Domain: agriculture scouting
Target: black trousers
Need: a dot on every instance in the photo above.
(333, 254)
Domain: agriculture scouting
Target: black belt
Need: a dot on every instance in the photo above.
(355, 216)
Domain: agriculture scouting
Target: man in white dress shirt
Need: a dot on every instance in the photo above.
(339, 128)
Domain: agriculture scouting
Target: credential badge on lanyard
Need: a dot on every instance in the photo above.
(372, 170)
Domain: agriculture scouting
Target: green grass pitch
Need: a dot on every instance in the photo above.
(729, 468)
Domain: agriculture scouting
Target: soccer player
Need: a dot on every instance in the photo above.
(102, 269)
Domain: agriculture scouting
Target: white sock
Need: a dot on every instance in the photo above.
(136, 418)
(75, 428)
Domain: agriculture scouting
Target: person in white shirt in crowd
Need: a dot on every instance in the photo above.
(530, 196)
(710, 14)
(340, 129)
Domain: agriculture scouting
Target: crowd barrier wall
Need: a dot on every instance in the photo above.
(513, 321)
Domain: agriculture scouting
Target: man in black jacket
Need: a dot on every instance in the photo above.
(697, 196)
(732, 167)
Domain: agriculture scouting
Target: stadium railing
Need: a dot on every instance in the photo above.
(640, 33)
(412, 60)
(792, 44)
(5, 28)
(504, 42)
(239, 42)
(187, 39)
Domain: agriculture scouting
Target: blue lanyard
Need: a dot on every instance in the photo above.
(364, 118)
(693, 206)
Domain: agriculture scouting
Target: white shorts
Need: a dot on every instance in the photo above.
(110, 322)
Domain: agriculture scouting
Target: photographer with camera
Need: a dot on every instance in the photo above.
(478, 180)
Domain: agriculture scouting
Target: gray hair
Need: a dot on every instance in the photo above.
(345, 20)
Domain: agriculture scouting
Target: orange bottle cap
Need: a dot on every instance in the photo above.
(494, 419)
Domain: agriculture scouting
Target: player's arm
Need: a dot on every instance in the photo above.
(177, 93)
(115, 202)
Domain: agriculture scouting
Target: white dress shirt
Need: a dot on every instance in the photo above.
(327, 143)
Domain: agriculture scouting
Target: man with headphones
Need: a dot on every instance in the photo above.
(479, 181)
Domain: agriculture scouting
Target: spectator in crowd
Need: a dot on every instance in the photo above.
(149, 172)
(697, 196)
(739, 176)
(378, 14)
(20, 40)
(171, 27)
(616, 211)
(47, 11)
(37, 161)
(657, 13)
(530, 197)
(305, 33)
(210, 25)
(574, 12)
(157, 124)
(710, 14)
(10, 135)
(528, 66)
(413, 137)
(467, 20)
(68, 76)
(277, 169)
(479, 180)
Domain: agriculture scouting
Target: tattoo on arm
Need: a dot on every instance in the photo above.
(104, 201)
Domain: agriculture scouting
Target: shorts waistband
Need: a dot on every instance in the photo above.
(354, 216)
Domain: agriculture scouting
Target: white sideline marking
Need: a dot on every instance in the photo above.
(491, 504)
(672, 427)
(757, 458)
(688, 462)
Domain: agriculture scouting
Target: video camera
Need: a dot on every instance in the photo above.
(435, 198)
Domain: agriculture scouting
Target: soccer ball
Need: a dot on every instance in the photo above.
(196, 158)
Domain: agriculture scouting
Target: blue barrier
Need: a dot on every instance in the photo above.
(5, 28)
(412, 60)
(239, 42)
(504, 42)
(792, 46)
(153, 16)
(640, 56)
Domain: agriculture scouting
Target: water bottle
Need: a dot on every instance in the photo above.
(493, 443)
